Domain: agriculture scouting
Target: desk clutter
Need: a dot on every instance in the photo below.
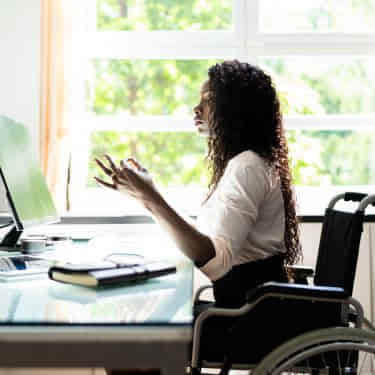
(101, 261)
(113, 269)
(20, 267)
(107, 272)
(35, 243)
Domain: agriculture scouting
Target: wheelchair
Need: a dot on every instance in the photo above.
(299, 327)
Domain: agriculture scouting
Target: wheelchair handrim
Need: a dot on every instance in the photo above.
(309, 340)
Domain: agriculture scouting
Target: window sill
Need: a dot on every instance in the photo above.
(139, 219)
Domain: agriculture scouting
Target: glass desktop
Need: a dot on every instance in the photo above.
(162, 300)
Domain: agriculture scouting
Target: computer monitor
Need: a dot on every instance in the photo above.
(26, 190)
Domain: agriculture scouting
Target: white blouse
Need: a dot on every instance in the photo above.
(244, 217)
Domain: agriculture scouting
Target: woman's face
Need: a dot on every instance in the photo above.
(202, 111)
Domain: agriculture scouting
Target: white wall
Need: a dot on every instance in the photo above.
(20, 64)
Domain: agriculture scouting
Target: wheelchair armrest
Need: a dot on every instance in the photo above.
(286, 290)
(301, 273)
(200, 291)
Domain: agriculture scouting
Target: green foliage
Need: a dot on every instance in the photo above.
(324, 85)
(306, 160)
(147, 87)
(164, 14)
(349, 157)
(317, 16)
(174, 159)
(327, 86)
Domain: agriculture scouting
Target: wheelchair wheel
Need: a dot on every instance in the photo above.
(332, 351)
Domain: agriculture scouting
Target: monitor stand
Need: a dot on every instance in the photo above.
(9, 242)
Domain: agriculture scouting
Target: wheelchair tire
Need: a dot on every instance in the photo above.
(338, 350)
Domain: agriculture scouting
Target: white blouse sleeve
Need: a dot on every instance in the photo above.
(233, 214)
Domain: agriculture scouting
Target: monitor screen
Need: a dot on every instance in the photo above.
(27, 193)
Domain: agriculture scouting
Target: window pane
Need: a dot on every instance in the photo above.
(323, 157)
(288, 16)
(323, 85)
(146, 87)
(173, 158)
(326, 158)
(164, 14)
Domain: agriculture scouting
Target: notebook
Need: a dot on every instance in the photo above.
(109, 273)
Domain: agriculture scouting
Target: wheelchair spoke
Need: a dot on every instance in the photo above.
(348, 359)
(324, 360)
(338, 362)
(331, 362)
(308, 365)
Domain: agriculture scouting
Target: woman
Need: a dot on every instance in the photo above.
(247, 230)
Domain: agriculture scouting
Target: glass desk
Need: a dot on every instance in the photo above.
(146, 324)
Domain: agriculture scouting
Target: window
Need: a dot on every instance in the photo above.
(139, 66)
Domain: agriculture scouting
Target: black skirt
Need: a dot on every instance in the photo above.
(231, 289)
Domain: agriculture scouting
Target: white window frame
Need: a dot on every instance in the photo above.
(244, 42)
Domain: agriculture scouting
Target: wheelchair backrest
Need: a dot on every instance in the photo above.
(338, 249)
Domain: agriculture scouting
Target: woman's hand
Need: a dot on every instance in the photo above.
(133, 180)
(129, 178)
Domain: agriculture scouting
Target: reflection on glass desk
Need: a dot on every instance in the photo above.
(162, 300)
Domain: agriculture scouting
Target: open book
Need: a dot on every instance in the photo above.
(108, 273)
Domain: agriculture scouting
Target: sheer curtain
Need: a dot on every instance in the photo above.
(55, 101)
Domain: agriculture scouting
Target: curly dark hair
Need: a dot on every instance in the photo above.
(245, 115)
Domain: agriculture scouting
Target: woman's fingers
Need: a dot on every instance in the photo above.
(120, 176)
(106, 184)
(123, 165)
(134, 162)
(125, 173)
(111, 163)
(106, 170)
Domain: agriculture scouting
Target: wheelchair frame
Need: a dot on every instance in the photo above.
(306, 344)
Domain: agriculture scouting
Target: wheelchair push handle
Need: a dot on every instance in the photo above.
(355, 197)
(370, 199)
(364, 199)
